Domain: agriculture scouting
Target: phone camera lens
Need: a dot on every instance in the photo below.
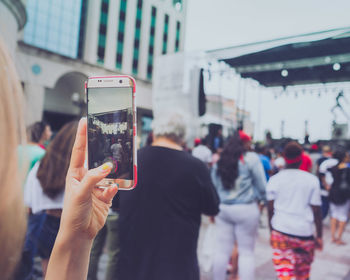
(120, 81)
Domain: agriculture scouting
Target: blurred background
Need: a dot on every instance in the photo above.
(272, 67)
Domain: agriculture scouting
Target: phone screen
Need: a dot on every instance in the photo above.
(110, 130)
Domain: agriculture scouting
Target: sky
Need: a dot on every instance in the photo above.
(214, 24)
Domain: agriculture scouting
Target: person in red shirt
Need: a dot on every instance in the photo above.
(306, 162)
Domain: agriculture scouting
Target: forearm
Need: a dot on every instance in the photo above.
(259, 181)
(260, 186)
(318, 220)
(270, 211)
(319, 229)
(69, 258)
(324, 183)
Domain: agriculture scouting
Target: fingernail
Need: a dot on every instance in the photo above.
(107, 166)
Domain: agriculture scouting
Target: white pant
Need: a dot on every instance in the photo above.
(340, 212)
(236, 222)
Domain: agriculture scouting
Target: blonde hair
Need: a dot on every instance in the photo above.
(12, 214)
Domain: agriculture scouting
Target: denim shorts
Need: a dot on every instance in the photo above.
(47, 236)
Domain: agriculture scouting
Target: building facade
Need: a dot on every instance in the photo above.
(120, 35)
(58, 44)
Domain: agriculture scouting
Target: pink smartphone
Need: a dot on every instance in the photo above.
(111, 119)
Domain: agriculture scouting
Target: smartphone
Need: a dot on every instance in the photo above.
(111, 128)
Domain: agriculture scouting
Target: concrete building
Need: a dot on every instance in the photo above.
(58, 44)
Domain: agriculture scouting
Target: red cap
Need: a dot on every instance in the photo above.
(197, 141)
(314, 147)
(244, 137)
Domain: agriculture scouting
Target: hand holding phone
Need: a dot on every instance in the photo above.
(111, 116)
(84, 214)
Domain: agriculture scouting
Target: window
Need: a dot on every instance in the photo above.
(178, 5)
(177, 39)
(102, 32)
(121, 30)
(135, 60)
(55, 25)
(82, 28)
(151, 43)
(165, 34)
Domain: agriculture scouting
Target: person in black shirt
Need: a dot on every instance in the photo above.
(339, 196)
(160, 218)
(326, 154)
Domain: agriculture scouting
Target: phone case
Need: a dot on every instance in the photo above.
(134, 182)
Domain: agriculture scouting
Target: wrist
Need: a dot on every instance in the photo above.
(69, 257)
(71, 240)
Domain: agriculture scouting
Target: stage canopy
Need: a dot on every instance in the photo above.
(321, 57)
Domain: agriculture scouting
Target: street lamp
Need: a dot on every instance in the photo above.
(284, 73)
(336, 66)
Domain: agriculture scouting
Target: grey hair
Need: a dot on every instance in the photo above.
(172, 126)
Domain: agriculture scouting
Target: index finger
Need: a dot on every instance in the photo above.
(79, 148)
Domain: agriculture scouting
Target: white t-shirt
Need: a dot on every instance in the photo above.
(203, 153)
(293, 192)
(328, 163)
(34, 196)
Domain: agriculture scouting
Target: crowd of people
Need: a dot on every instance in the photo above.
(152, 231)
(162, 216)
(299, 185)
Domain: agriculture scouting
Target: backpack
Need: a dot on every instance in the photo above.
(340, 189)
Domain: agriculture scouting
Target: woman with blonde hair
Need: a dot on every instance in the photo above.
(85, 206)
(12, 215)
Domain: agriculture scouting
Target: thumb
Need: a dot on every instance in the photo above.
(93, 176)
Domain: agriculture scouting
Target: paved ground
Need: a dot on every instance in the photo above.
(333, 263)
